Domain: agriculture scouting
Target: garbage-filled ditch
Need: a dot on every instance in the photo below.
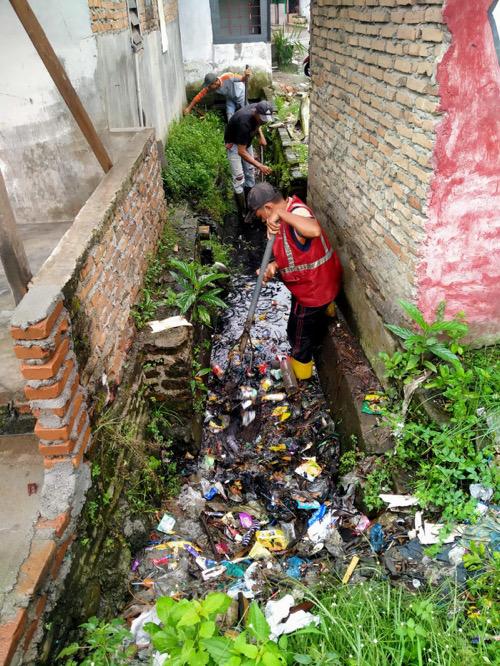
(263, 508)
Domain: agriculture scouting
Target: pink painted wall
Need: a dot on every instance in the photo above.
(461, 256)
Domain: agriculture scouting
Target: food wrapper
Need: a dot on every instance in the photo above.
(309, 469)
(273, 540)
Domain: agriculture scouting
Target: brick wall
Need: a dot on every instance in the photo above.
(110, 278)
(374, 111)
(112, 15)
(108, 15)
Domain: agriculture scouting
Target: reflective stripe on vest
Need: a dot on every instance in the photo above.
(292, 266)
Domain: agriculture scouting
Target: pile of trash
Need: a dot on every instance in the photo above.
(263, 507)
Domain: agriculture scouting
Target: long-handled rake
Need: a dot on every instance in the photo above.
(245, 337)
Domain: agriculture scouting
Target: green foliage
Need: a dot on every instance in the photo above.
(376, 624)
(189, 634)
(347, 462)
(435, 341)
(286, 44)
(197, 167)
(445, 457)
(221, 252)
(287, 110)
(103, 645)
(377, 481)
(151, 294)
(198, 294)
(483, 583)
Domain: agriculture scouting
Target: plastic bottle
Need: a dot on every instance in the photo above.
(289, 379)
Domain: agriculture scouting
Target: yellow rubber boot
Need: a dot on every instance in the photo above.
(302, 370)
(331, 310)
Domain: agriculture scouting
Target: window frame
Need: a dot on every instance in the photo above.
(265, 35)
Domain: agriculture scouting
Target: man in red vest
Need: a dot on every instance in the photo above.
(306, 263)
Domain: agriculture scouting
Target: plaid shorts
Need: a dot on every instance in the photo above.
(306, 328)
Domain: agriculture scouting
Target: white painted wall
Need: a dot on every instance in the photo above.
(47, 165)
(305, 9)
(201, 55)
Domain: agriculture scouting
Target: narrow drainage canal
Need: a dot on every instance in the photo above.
(257, 504)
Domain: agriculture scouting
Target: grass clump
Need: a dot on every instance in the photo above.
(197, 167)
(375, 624)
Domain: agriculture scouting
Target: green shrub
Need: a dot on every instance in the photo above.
(197, 167)
(444, 456)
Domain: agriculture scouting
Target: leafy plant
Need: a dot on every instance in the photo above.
(377, 481)
(483, 583)
(438, 339)
(198, 294)
(197, 167)
(104, 644)
(286, 44)
(189, 634)
(448, 454)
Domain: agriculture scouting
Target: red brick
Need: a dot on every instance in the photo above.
(39, 351)
(59, 524)
(77, 459)
(10, 634)
(65, 431)
(49, 369)
(52, 390)
(60, 555)
(35, 567)
(40, 330)
(57, 449)
(39, 608)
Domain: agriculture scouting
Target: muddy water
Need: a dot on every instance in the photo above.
(242, 518)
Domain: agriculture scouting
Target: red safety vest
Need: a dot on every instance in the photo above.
(313, 274)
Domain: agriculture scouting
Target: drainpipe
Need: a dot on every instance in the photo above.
(138, 88)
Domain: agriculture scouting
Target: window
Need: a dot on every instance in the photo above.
(235, 21)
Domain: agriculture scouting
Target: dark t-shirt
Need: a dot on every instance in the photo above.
(242, 127)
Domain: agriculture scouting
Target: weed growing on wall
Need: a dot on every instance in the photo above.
(443, 455)
(197, 167)
(152, 291)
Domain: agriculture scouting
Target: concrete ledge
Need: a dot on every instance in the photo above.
(95, 216)
(346, 377)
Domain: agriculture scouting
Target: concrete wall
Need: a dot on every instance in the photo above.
(48, 168)
(202, 55)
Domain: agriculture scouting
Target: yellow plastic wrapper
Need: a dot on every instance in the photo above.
(309, 469)
(283, 412)
(273, 540)
(266, 384)
(258, 552)
(177, 546)
(278, 447)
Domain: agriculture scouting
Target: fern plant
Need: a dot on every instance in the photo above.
(198, 291)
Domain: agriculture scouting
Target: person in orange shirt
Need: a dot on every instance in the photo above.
(230, 85)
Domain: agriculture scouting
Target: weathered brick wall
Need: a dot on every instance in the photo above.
(112, 15)
(108, 15)
(171, 8)
(107, 285)
(374, 109)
